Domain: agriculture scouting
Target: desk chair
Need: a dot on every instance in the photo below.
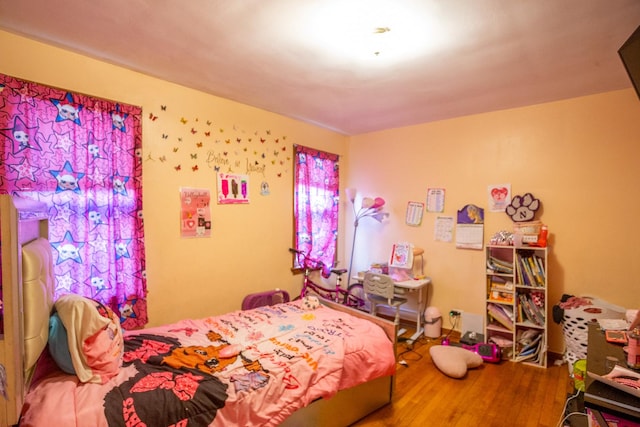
(379, 289)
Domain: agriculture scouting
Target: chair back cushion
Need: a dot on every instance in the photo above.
(379, 284)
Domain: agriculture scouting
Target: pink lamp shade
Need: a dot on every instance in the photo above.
(351, 194)
(378, 203)
(367, 202)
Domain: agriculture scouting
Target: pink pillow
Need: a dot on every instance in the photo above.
(94, 337)
(454, 361)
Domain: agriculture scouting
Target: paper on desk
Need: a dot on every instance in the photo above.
(613, 324)
(621, 378)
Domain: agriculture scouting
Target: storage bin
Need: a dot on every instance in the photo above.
(575, 326)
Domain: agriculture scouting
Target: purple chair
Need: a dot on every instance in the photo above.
(261, 299)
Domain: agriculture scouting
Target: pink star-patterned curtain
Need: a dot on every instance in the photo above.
(316, 203)
(82, 157)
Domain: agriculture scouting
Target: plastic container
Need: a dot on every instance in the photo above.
(432, 322)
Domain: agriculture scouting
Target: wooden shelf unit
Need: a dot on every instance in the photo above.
(516, 305)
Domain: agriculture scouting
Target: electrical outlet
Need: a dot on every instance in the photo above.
(455, 312)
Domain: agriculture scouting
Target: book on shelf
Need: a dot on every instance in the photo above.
(531, 351)
(497, 265)
(528, 310)
(501, 314)
(530, 272)
(498, 283)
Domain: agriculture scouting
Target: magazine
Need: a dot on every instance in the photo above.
(621, 378)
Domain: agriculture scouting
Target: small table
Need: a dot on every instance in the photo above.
(599, 396)
(412, 285)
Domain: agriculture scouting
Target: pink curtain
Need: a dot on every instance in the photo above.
(82, 157)
(316, 203)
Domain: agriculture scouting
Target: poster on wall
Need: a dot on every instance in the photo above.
(414, 213)
(195, 212)
(443, 229)
(233, 188)
(499, 197)
(435, 200)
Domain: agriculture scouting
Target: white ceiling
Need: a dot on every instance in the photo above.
(292, 57)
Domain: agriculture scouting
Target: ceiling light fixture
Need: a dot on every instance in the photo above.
(346, 33)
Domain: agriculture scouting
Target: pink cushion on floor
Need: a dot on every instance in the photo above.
(454, 361)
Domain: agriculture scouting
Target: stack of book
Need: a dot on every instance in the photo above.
(529, 310)
(530, 270)
(501, 315)
(500, 289)
(530, 347)
(497, 265)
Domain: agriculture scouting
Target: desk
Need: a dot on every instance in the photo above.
(600, 396)
(412, 285)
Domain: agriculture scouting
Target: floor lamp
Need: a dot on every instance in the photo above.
(369, 207)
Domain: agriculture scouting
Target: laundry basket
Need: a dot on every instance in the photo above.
(575, 326)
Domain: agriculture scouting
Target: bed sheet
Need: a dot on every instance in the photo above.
(175, 375)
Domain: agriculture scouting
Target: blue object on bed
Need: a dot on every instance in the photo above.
(58, 344)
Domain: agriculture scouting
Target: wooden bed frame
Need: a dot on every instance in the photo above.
(21, 223)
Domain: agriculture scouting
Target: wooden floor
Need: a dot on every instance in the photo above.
(496, 395)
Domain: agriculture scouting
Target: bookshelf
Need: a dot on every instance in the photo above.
(516, 315)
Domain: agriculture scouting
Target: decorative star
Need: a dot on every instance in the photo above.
(118, 119)
(68, 249)
(67, 179)
(67, 109)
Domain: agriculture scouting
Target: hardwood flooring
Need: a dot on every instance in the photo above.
(494, 395)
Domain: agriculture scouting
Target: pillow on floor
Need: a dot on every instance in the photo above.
(454, 361)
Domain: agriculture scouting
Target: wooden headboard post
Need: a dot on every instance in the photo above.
(20, 223)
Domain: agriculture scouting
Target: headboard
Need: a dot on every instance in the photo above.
(21, 222)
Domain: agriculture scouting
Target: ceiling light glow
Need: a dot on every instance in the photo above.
(366, 32)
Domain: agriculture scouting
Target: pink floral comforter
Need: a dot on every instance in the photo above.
(246, 368)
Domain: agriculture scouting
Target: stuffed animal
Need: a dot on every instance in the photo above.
(310, 302)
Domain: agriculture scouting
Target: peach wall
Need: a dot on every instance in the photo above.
(247, 251)
(579, 157)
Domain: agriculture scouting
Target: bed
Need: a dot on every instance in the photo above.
(286, 364)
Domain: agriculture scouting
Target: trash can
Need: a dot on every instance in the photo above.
(432, 322)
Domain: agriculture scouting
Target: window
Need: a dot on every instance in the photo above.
(316, 191)
(82, 157)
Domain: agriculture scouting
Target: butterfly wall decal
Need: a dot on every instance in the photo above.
(183, 120)
(199, 144)
(207, 133)
(163, 159)
(178, 167)
(163, 107)
(194, 168)
(193, 131)
(165, 136)
(175, 149)
(208, 122)
(194, 155)
(152, 117)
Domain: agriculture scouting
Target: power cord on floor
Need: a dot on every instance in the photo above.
(570, 414)
(411, 346)
(454, 324)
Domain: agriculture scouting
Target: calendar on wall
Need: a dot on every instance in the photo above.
(470, 227)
